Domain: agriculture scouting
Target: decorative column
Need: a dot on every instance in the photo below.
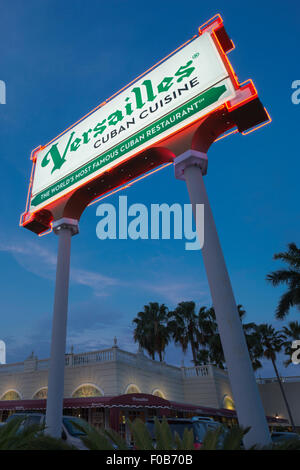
(65, 228)
(190, 166)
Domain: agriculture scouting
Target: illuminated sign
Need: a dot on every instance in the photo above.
(189, 84)
(124, 138)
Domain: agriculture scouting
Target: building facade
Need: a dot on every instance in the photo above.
(114, 372)
(108, 386)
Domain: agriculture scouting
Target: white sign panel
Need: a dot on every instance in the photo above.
(186, 86)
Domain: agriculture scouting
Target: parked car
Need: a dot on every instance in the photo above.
(199, 426)
(280, 436)
(70, 432)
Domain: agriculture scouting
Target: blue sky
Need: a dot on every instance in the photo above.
(59, 60)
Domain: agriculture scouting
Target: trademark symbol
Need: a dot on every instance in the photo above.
(195, 55)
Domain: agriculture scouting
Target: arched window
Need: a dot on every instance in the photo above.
(87, 390)
(228, 402)
(41, 394)
(132, 388)
(158, 393)
(11, 395)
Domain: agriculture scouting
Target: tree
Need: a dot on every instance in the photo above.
(290, 277)
(183, 327)
(211, 351)
(152, 330)
(269, 343)
(209, 348)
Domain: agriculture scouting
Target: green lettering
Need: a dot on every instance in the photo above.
(54, 153)
(165, 84)
(138, 97)
(100, 128)
(149, 89)
(128, 108)
(184, 71)
(85, 136)
(75, 145)
(115, 117)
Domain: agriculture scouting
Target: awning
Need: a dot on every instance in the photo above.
(133, 400)
(139, 400)
(205, 410)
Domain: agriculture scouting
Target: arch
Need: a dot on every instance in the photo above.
(87, 390)
(11, 394)
(158, 393)
(41, 393)
(132, 388)
(228, 403)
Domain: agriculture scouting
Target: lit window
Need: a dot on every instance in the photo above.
(41, 394)
(11, 395)
(228, 403)
(132, 389)
(87, 391)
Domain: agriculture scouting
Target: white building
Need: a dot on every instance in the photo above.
(108, 386)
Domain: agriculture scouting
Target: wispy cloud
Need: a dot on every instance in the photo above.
(42, 262)
(95, 281)
(177, 290)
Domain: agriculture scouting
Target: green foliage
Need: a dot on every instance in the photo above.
(183, 327)
(116, 439)
(223, 438)
(141, 436)
(187, 442)
(13, 436)
(290, 277)
(151, 329)
(96, 440)
(44, 442)
(163, 435)
(142, 439)
(293, 444)
(233, 438)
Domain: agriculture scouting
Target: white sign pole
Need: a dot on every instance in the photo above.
(64, 228)
(190, 166)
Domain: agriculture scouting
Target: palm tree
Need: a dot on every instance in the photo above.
(269, 343)
(142, 334)
(183, 327)
(152, 331)
(212, 351)
(290, 277)
(291, 333)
